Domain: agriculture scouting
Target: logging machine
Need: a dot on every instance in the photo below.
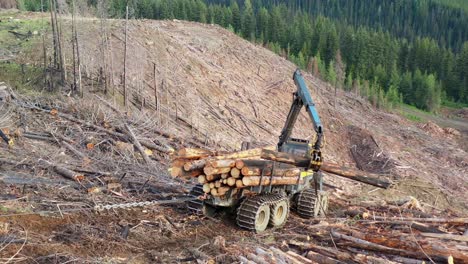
(258, 207)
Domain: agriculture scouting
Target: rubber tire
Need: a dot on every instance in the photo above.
(279, 213)
(262, 218)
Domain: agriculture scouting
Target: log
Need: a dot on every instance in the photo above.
(460, 238)
(241, 154)
(275, 180)
(364, 177)
(221, 163)
(153, 146)
(206, 188)
(68, 173)
(285, 257)
(223, 190)
(212, 177)
(239, 164)
(224, 175)
(257, 259)
(257, 171)
(298, 257)
(239, 184)
(179, 172)
(319, 258)
(201, 179)
(425, 220)
(235, 172)
(404, 245)
(212, 170)
(231, 181)
(194, 153)
(212, 185)
(195, 165)
(329, 252)
(214, 192)
(73, 150)
(137, 144)
(175, 171)
(360, 176)
(285, 158)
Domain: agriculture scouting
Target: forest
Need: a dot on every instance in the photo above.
(390, 51)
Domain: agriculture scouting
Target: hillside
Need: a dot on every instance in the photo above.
(213, 89)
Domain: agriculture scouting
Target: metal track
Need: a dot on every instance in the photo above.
(196, 206)
(247, 211)
(305, 203)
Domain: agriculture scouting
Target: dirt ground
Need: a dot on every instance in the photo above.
(213, 88)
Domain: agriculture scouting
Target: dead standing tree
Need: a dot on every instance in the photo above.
(58, 61)
(125, 60)
(76, 55)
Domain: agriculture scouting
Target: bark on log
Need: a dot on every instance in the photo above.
(285, 158)
(257, 171)
(221, 163)
(364, 177)
(425, 220)
(137, 144)
(329, 252)
(211, 170)
(298, 161)
(255, 180)
(460, 238)
(298, 257)
(319, 258)
(404, 245)
(73, 150)
(194, 153)
(68, 173)
(153, 146)
(195, 165)
(179, 172)
(241, 154)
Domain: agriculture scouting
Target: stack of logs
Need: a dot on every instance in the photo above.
(220, 172)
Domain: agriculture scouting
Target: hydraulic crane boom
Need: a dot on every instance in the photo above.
(302, 98)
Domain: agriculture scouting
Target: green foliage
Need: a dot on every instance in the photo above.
(397, 45)
(349, 82)
(331, 74)
(413, 118)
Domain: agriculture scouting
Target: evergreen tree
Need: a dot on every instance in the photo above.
(349, 82)
(248, 21)
(236, 16)
(331, 75)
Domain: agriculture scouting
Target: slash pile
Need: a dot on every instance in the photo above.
(220, 172)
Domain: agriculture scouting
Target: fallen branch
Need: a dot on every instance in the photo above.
(137, 144)
(460, 238)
